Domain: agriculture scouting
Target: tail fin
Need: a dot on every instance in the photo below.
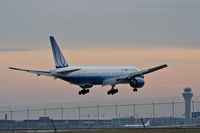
(57, 54)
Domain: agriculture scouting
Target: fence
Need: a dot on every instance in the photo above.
(96, 114)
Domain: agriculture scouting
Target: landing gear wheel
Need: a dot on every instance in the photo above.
(83, 92)
(112, 91)
(135, 89)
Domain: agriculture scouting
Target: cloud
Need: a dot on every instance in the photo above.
(106, 23)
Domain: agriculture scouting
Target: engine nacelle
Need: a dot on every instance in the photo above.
(137, 82)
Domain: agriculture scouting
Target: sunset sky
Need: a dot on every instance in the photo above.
(137, 33)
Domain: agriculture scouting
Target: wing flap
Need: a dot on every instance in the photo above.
(45, 73)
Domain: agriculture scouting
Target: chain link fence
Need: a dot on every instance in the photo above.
(98, 114)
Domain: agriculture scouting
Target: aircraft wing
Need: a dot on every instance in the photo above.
(116, 80)
(143, 72)
(45, 73)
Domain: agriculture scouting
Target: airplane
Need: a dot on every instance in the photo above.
(88, 76)
(138, 125)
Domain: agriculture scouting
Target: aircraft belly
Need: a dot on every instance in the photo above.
(85, 80)
(123, 82)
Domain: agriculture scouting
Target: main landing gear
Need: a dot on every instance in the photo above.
(112, 91)
(83, 91)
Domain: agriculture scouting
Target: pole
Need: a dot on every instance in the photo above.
(45, 121)
(97, 115)
(45, 112)
(134, 112)
(193, 106)
(79, 115)
(116, 114)
(62, 115)
(11, 113)
(116, 111)
(27, 117)
(11, 117)
(153, 109)
(173, 109)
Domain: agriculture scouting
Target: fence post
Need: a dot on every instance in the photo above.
(62, 115)
(45, 121)
(11, 114)
(173, 109)
(193, 106)
(153, 109)
(27, 117)
(116, 111)
(97, 115)
(134, 110)
(79, 115)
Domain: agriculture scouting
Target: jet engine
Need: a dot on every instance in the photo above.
(137, 82)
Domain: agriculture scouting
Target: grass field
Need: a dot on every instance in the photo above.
(152, 130)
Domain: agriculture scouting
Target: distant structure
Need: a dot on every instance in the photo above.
(187, 94)
(6, 117)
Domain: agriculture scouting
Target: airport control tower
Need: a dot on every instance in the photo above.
(187, 94)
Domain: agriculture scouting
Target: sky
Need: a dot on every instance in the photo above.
(138, 33)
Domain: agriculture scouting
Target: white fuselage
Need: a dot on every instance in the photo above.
(92, 75)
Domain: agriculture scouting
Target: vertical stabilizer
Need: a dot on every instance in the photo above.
(59, 59)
